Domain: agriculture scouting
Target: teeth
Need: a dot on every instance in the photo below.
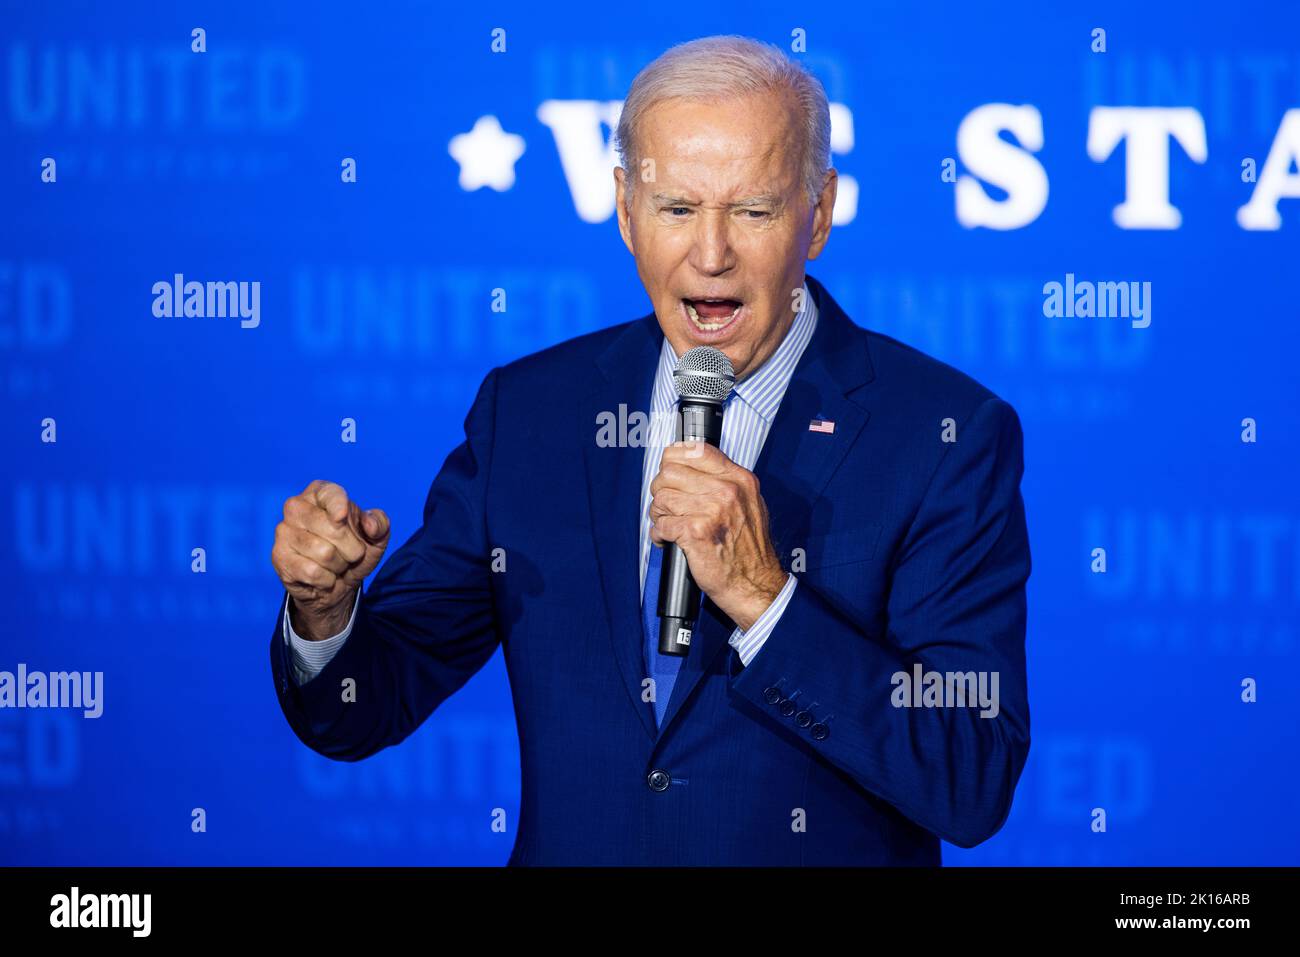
(709, 326)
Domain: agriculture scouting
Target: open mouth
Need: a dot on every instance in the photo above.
(712, 316)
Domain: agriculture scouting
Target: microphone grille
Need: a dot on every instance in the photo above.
(704, 373)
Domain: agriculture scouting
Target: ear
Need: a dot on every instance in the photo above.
(822, 214)
(620, 204)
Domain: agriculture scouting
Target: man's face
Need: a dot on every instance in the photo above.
(722, 231)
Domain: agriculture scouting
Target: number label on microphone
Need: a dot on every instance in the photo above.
(683, 636)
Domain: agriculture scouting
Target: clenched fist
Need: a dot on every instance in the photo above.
(324, 549)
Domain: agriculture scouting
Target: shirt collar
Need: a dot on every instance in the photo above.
(762, 391)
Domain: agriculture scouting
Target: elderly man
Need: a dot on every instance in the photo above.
(859, 538)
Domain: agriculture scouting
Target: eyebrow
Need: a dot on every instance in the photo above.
(765, 199)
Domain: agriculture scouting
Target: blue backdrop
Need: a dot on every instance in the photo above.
(129, 156)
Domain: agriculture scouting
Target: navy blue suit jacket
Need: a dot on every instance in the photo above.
(914, 550)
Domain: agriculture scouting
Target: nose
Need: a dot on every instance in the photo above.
(711, 252)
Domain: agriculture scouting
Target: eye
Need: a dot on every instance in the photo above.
(674, 209)
(756, 214)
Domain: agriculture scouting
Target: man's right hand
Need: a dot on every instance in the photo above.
(324, 549)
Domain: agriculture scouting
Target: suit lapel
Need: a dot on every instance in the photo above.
(614, 493)
(795, 463)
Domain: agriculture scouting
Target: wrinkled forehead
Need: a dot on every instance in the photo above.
(723, 149)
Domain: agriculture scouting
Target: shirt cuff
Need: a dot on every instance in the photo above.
(309, 658)
(748, 643)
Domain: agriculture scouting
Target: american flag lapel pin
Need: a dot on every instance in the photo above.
(821, 425)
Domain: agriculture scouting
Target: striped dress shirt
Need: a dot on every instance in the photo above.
(750, 410)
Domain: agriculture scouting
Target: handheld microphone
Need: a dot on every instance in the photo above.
(704, 378)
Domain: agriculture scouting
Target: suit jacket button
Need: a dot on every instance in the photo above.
(819, 731)
(787, 707)
(803, 719)
(658, 780)
(771, 695)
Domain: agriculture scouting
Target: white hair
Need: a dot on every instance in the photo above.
(721, 68)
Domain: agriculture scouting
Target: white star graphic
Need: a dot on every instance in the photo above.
(486, 155)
